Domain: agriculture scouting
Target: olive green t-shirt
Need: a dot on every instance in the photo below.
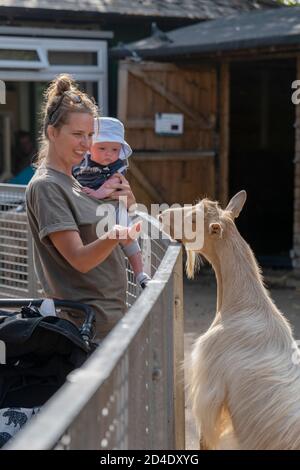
(55, 203)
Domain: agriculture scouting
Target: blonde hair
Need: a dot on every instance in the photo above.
(61, 98)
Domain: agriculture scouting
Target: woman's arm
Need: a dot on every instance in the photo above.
(82, 257)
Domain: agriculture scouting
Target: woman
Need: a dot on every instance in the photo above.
(71, 262)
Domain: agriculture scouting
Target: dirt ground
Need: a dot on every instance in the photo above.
(199, 309)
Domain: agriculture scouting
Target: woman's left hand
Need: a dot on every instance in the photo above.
(122, 188)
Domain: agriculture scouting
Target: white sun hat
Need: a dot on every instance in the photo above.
(108, 129)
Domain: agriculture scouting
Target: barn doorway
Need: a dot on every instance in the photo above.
(262, 139)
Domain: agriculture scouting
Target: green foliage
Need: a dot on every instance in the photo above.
(289, 2)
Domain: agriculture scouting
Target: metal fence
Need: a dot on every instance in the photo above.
(130, 393)
(16, 274)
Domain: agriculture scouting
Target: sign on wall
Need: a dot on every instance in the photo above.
(169, 123)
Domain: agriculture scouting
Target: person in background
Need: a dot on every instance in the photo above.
(23, 157)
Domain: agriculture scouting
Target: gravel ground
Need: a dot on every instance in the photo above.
(200, 304)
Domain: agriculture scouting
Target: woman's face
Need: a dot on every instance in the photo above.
(73, 139)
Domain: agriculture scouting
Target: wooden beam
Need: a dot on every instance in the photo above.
(144, 123)
(171, 98)
(178, 354)
(173, 156)
(264, 108)
(251, 54)
(296, 228)
(152, 66)
(122, 91)
(224, 107)
(145, 183)
(140, 123)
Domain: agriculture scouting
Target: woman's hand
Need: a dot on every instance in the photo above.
(125, 234)
(122, 188)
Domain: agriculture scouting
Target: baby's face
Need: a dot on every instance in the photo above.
(105, 153)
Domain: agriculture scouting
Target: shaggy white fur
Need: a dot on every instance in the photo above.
(243, 384)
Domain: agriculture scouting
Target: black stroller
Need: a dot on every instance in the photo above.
(36, 354)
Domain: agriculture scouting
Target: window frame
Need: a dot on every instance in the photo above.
(43, 71)
(43, 45)
(24, 64)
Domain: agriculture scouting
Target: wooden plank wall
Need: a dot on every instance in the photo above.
(181, 181)
(296, 260)
(168, 169)
(224, 107)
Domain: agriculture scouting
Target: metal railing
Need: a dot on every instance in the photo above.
(130, 393)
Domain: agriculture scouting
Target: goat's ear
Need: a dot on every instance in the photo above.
(215, 229)
(236, 203)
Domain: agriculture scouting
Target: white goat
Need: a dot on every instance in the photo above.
(245, 376)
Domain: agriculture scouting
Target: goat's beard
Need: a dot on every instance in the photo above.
(193, 263)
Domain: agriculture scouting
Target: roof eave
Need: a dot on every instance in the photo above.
(25, 12)
(195, 50)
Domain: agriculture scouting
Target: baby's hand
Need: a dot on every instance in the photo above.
(100, 193)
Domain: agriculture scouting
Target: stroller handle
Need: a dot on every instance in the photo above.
(86, 330)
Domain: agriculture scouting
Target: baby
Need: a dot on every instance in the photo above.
(108, 157)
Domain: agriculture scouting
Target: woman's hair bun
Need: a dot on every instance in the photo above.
(64, 82)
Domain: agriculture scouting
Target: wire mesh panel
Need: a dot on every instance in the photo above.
(133, 290)
(14, 257)
(13, 254)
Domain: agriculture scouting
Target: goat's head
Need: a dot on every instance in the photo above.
(202, 226)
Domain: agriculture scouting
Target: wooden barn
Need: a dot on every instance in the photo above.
(229, 83)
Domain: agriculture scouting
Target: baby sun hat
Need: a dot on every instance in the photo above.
(108, 129)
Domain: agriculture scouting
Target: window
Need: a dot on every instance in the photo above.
(42, 53)
(13, 56)
(72, 58)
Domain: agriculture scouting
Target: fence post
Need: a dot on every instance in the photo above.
(178, 355)
(146, 255)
